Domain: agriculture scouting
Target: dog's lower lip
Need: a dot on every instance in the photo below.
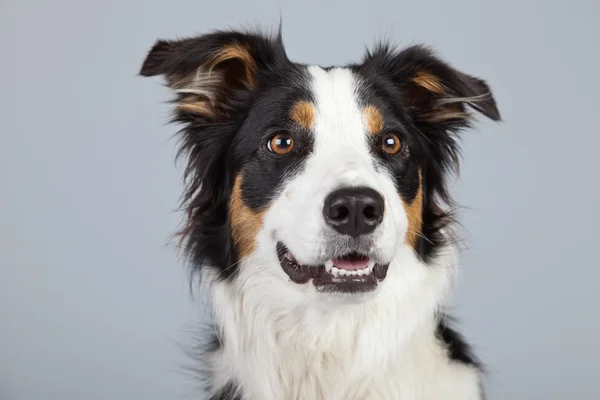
(354, 272)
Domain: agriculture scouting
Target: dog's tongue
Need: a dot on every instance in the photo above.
(351, 263)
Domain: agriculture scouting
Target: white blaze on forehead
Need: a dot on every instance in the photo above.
(342, 157)
(339, 124)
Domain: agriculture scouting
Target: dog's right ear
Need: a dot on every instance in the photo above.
(213, 73)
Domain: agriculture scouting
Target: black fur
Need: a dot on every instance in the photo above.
(263, 172)
(230, 138)
(228, 392)
(218, 148)
(458, 349)
(386, 75)
(207, 141)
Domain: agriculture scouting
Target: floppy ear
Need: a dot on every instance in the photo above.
(435, 92)
(213, 73)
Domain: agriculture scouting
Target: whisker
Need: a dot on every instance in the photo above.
(417, 254)
(419, 234)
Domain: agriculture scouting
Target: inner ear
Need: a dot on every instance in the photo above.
(212, 74)
(423, 90)
(238, 66)
(429, 83)
(432, 101)
(437, 99)
(216, 84)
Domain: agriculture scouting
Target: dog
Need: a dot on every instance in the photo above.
(318, 216)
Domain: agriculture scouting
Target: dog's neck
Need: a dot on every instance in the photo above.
(277, 345)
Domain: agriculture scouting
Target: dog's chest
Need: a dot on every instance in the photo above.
(385, 348)
(298, 370)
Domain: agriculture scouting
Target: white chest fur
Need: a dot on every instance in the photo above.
(276, 345)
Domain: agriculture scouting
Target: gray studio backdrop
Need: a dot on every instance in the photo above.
(95, 305)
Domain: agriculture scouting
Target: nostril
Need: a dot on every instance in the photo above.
(370, 213)
(340, 212)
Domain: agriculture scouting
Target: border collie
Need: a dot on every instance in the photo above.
(319, 218)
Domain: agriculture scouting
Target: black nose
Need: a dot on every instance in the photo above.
(354, 211)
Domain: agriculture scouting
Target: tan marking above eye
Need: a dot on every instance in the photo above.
(391, 143)
(373, 119)
(282, 143)
(303, 113)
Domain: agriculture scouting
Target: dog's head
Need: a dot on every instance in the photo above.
(314, 176)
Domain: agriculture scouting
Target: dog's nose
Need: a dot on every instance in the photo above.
(354, 211)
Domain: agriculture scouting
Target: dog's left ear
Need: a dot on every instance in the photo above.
(213, 74)
(435, 92)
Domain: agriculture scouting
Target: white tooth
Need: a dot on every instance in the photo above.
(370, 266)
(335, 271)
(367, 271)
(328, 265)
(354, 273)
(342, 272)
(360, 272)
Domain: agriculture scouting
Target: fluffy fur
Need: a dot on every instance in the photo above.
(281, 337)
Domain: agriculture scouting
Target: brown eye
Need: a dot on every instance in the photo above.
(281, 143)
(391, 143)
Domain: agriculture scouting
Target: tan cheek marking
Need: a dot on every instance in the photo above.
(245, 223)
(374, 120)
(429, 82)
(303, 113)
(414, 211)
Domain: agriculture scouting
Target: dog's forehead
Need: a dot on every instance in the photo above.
(332, 105)
(335, 93)
(339, 111)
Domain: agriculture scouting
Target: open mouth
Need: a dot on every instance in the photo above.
(351, 273)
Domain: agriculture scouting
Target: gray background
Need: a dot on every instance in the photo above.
(95, 305)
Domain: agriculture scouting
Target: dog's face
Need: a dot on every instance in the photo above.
(314, 176)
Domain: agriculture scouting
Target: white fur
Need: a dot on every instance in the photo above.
(282, 340)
